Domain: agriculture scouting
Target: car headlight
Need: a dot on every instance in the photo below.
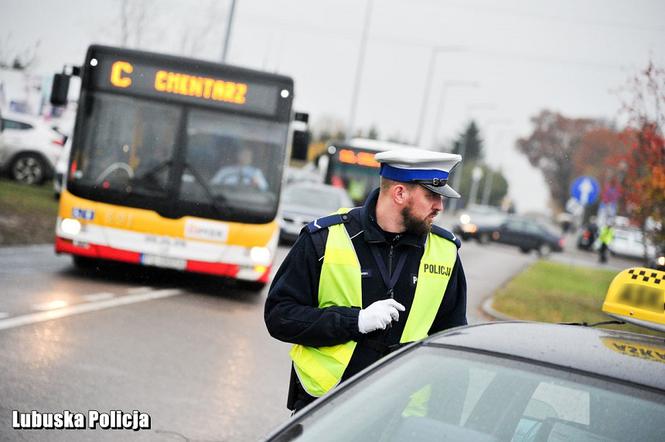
(465, 219)
(661, 260)
(260, 255)
(70, 226)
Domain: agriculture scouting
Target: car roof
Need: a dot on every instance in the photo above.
(630, 357)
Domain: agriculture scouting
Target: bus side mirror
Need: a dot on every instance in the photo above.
(60, 90)
(300, 143)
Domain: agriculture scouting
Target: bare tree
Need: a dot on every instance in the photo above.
(133, 19)
(19, 59)
(204, 31)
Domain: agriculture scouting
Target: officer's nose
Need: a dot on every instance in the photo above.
(438, 204)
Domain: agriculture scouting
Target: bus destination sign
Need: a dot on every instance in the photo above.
(151, 80)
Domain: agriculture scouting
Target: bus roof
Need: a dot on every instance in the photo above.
(374, 145)
(175, 60)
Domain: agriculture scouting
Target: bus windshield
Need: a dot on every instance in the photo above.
(179, 159)
(354, 170)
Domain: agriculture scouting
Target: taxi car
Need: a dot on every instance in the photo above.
(510, 381)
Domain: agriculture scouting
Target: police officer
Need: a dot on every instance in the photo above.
(360, 283)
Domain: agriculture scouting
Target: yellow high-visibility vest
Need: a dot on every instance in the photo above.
(320, 368)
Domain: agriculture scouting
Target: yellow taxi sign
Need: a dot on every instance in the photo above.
(637, 295)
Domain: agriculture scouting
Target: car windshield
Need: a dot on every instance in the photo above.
(327, 199)
(442, 394)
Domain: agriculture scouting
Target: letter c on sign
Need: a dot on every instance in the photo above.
(117, 69)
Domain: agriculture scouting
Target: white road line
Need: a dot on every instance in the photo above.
(98, 296)
(33, 318)
(135, 290)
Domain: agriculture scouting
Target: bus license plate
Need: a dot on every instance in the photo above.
(163, 261)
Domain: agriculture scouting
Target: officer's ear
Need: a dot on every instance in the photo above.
(400, 194)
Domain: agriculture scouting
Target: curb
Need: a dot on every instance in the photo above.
(487, 308)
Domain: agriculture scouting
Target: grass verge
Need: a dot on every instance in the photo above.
(553, 292)
(27, 213)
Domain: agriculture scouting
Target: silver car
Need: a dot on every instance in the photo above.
(305, 202)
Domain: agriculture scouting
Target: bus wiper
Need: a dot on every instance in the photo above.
(153, 171)
(213, 200)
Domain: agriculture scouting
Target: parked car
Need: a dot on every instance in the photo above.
(629, 242)
(30, 148)
(528, 235)
(506, 381)
(658, 260)
(304, 202)
(478, 222)
(60, 174)
(587, 236)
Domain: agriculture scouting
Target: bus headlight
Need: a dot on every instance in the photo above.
(70, 226)
(260, 255)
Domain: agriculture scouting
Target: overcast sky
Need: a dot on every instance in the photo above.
(524, 56)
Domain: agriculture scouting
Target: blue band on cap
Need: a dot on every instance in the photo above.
(407, 175)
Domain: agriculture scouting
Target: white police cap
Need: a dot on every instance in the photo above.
(428, 168)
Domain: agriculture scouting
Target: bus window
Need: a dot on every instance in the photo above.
(238, 159)
(133, 139)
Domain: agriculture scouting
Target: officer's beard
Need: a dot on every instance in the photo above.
(414, 225)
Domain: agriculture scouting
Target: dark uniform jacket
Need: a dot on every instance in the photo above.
(292, 313)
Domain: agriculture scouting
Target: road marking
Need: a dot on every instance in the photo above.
(98, 296)
(135, 290)
(33, 318)
(51, 305)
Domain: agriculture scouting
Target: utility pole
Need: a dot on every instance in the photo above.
(227, 35)
(442, 102)
(428, 84)
(350, 127)
(458, 170)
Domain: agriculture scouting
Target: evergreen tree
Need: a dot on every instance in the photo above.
(469, 144)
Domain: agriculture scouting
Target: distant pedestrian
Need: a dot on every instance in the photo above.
(606, 236)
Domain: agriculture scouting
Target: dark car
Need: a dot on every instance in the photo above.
(587, 236)
(502, 381)
(304, 202)
(528, 235)
(478, 222)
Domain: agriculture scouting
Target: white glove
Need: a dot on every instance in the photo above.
(378, 315)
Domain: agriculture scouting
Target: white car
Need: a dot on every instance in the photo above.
(629, 242)
(60, 175)
(29, 148)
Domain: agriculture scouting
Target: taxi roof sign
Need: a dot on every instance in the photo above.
(637, 295)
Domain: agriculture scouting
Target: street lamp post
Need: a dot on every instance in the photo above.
(458, 170)
(227, 34)
(489, 181)
(476, 175)
(428, 84)
(359, 69)
(442, 100)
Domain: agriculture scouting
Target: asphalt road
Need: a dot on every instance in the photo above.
(190, 350)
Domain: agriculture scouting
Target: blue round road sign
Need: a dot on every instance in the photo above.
(585, 189)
